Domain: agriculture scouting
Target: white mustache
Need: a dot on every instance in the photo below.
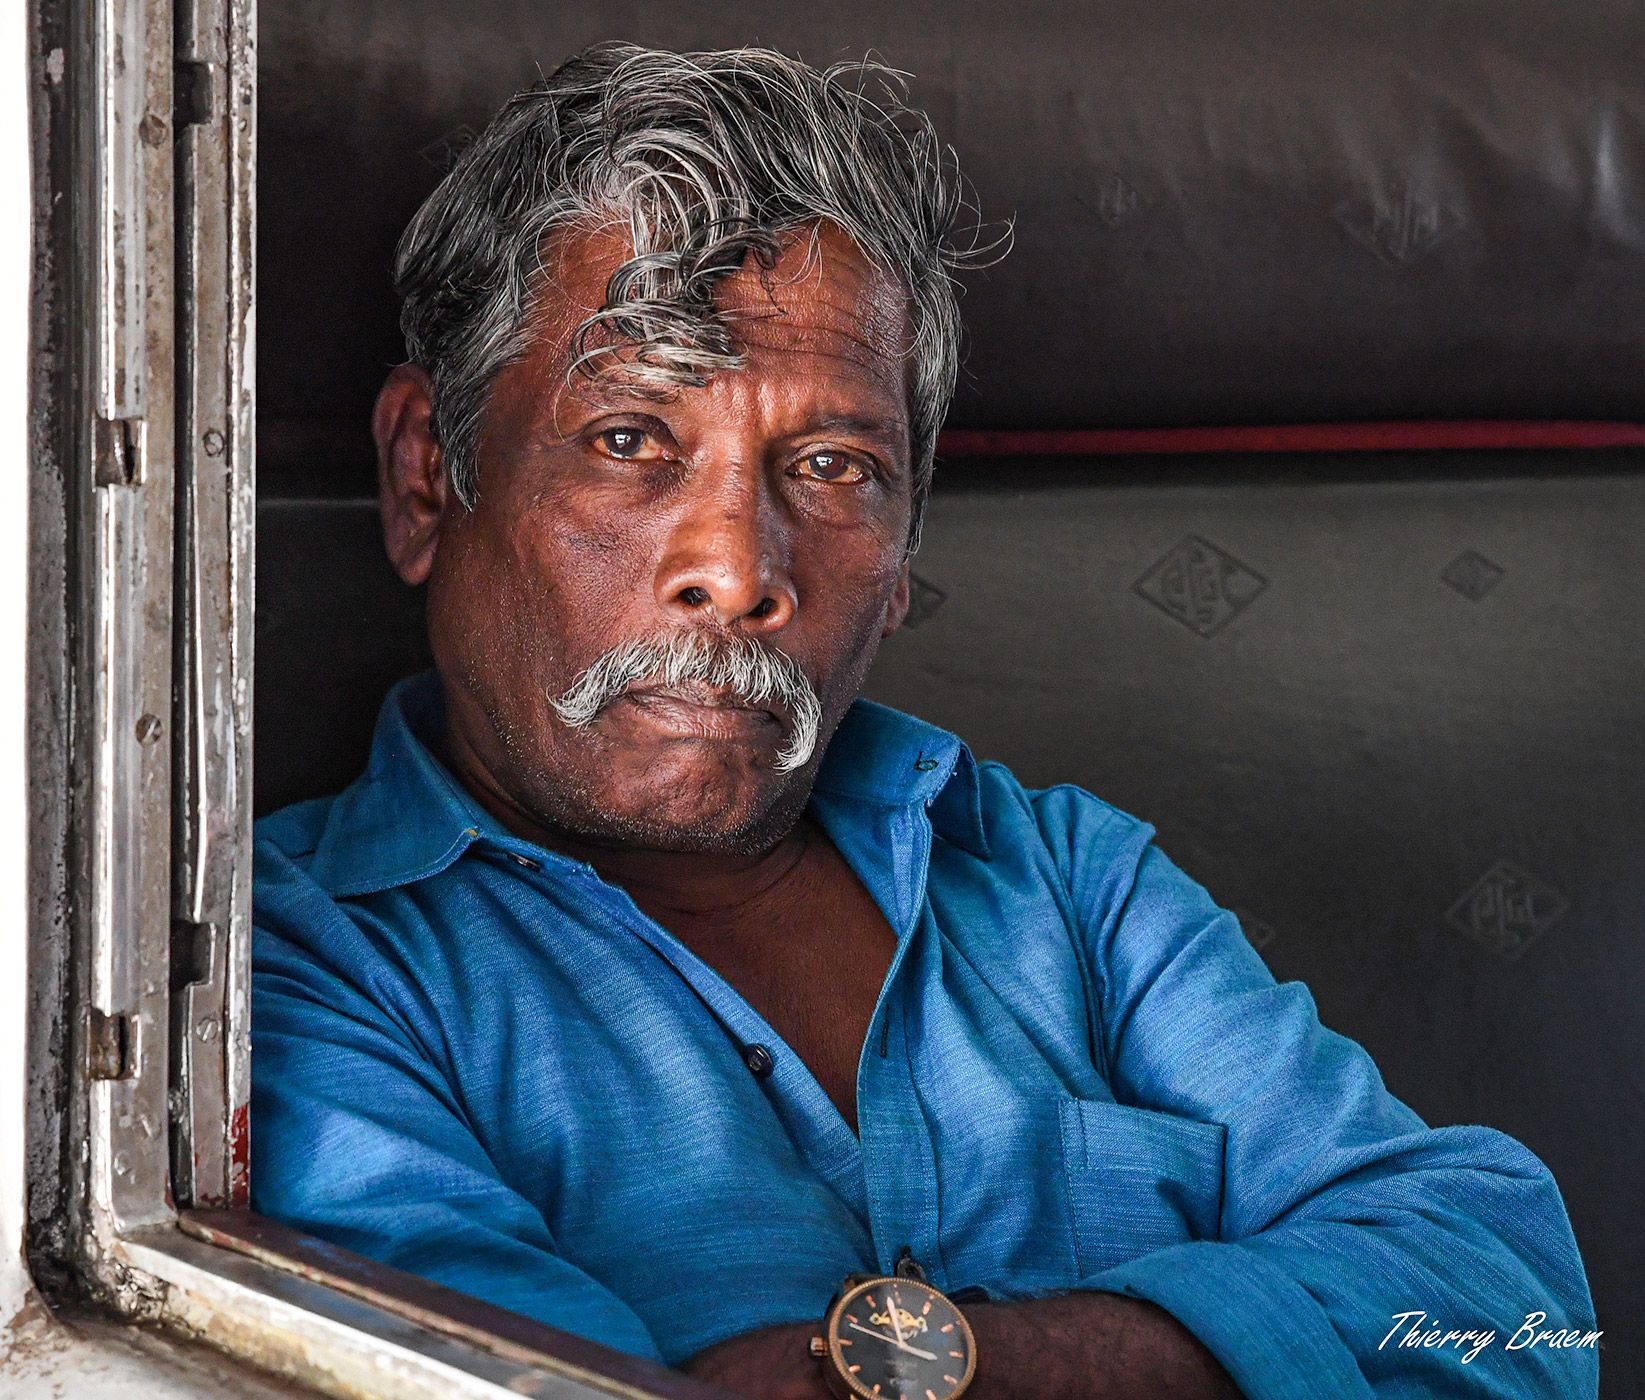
(752, 671)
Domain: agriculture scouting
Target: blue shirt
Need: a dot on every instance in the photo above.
(476, 1060)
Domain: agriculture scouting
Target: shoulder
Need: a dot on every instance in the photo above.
(291, 835)
(285, 897)
(1113, 873)
(1078, 828)
(304, 937)
(1062, 840)
(330, 970)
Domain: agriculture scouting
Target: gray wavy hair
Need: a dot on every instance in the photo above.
(705, 158)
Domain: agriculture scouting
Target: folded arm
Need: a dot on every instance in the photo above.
(1340, 1209)
(1091, 1346)
(357, 1138)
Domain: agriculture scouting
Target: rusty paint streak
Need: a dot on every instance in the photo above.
(239, 1158)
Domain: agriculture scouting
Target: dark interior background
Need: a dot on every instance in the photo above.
(1387, 707)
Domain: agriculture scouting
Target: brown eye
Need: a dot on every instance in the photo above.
(832, 467)
(628, 445)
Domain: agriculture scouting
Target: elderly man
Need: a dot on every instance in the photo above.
(654, 985)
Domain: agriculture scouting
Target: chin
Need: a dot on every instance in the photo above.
(712, 833)
(702, 841)
(727, 810)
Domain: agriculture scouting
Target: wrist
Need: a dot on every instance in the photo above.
(1090, 1346)
(771, 1364)
(896, 1336)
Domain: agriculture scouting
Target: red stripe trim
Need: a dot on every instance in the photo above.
(1287, 437)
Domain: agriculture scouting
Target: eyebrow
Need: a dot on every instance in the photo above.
(853, 423)
(882, 431)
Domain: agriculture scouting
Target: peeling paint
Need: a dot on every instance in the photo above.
(239, 1159)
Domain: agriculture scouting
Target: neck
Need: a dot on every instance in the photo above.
(691, 882)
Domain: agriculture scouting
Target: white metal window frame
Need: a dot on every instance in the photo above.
(14, 622)
(139, 703)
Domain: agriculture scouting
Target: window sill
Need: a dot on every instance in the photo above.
(346, 1325)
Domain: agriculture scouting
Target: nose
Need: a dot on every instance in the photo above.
(725, 561)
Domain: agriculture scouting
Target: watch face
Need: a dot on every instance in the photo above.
(894, 1339)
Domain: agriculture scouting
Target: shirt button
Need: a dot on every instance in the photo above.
(525, 861)
(925, 765)
(758, 1059)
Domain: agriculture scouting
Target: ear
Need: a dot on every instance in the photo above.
(411, 480)
(897, 609)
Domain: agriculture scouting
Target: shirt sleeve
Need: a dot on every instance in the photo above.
(358, 1139)
(1341, 1210)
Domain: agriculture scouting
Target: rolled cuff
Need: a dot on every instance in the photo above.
(1270, 1334)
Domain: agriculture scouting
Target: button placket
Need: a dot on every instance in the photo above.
(899, 1161)
(828, 1143)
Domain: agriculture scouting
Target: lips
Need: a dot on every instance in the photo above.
(698, 711)
(697, 693)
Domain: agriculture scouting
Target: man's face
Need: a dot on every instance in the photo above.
(773, 504)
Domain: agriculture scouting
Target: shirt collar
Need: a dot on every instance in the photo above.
(406, 818)
(890, 759)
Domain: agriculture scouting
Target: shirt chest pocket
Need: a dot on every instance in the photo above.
(1138, 1180)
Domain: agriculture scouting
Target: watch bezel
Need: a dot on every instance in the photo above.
(836, 1357)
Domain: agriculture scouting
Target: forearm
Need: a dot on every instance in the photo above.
(1081, 1346)
(774, 1363)
(1090, 1346)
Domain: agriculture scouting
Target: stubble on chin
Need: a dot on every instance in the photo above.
(564, 784)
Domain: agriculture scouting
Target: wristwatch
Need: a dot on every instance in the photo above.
(895, 1337)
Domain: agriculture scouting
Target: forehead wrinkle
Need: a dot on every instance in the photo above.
(838, 310)
(776, 404)
(839, 291)
(827, 341)
(857, 364)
